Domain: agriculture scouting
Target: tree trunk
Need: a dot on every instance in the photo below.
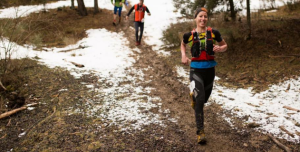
(81, 8)
(232, 12)
(96, 9)
(248, 20)
(72, 4)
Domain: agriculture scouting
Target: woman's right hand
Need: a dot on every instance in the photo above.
(185, 60)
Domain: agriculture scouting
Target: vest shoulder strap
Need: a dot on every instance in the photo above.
(210, 31)
(193, 32)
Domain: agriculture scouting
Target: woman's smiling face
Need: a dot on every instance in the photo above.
(201, 19)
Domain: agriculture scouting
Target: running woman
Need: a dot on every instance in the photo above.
(202, 67)
(140, 9)
(118, 8)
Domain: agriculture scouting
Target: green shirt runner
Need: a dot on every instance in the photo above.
(117, 2)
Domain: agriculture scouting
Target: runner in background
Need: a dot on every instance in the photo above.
(126, 2)
(139, 15)
(118, 8)
(202, 72)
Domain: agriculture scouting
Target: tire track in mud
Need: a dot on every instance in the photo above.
(182, 134)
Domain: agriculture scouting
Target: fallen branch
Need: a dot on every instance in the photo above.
(76, 64)
(69, 50)
(89, 102)
(271, 116)
(250, 104)
(288, 88)
(287, 149)
(6, 114)
(40, 122)
(286, 131)
(2, 85)
(297, 133)
(284, 56)
(3, 136)
(291, 108)
(75, 133)
(9, 122)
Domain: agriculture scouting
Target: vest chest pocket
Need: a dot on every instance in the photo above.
(195, 51)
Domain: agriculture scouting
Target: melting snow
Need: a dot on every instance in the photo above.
(265, 108)
(184, 74)
(22, 134)
(21, 11)
(107, 56)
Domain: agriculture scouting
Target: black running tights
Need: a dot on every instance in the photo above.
(138, 25)
(204, 79)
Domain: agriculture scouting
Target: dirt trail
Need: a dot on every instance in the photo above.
(51, 128)
(221, 136)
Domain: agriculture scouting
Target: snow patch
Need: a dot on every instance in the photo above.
(22, 134)
(265, 108)
(21, 11)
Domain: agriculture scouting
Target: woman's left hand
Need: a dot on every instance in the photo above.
(221, 47)
(217, 48)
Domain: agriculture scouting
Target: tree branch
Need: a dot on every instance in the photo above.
(2, 85)
(291, 108)
(284, 56)
(6, 114)
(280, 145)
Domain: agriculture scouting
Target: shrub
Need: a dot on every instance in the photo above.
(292, 5)
(173, 35)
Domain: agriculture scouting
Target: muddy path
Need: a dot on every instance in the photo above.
(174, 94)
(53, 125)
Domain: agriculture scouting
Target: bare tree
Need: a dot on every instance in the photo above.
(7, 47)
(72, 4)
(248, 20)
(96, 8)
(81, 8)
(232, 11)
(44, 4)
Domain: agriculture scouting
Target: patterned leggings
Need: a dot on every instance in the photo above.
(204, 79)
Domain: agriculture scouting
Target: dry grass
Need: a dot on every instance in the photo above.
(173, 35)
(10, 3)
(248, 63)
(59, 28)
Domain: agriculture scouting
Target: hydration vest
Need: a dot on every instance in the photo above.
(198, 53)
(139, 12)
